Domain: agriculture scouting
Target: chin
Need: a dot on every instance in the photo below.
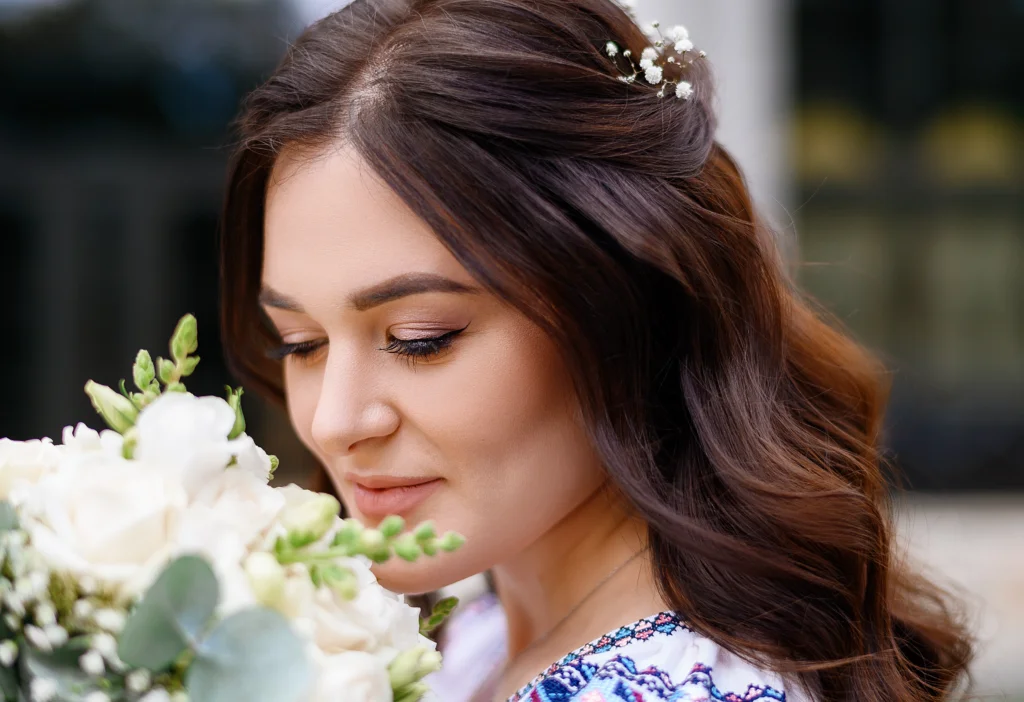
(426, 575)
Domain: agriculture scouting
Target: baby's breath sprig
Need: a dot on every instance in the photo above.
(651, 65)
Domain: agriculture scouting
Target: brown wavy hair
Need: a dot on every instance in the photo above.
(737, 423)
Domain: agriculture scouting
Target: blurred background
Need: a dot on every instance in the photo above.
(884, 139)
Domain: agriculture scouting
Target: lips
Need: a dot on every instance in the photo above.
(380, 496)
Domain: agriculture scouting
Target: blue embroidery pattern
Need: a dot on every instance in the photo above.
(618, 680)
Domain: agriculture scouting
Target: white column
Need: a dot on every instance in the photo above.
(750, 46)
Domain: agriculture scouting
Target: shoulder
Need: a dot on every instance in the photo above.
(653, 660)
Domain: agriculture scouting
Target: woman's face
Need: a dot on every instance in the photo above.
(422, 394)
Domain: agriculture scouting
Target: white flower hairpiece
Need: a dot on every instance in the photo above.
(653, 64)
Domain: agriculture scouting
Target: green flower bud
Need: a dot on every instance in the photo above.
(409, 667)
(308, 521)
(374, 546)
(348, 534)
(429, 547)
(425, 531)
(186, 338)
(414, 693)
(143, 372)
(267, 578)
(392, 526)
(188, 366)
(451, 542)
(341, 580)
(235, 402)
(131, 440)
(274, 463)
(117, 410)
(407, 549)
(165, 370)
(176, 387)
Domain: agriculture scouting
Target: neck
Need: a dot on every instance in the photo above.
(547, 581)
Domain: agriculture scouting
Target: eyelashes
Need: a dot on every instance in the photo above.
(412, 349)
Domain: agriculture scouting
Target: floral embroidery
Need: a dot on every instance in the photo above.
(665, 623)
(619, 680)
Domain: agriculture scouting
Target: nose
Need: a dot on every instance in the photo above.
(351, 408)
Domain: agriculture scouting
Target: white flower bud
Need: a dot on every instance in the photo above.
(309, 520)
(14, 602)
(678, 32)
(87, 584)
(40, 582)
(157, 694)
(38, 638)
(117, 410)
(267, 578)
(82, 609)
(45, 614)
(612, 49)
(8, 653)
(653, 75)
(684, 90)
(683, 45)
(138, 681)
(96, 696)
(13, 621)
(43, 689)
(92, 663)
(105, 645)
(56, 634)
(109, 619)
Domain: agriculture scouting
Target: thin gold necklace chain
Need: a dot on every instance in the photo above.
(544, 637)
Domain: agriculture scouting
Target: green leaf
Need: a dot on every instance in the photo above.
(62, 667)
(8, 517)
(252, 656)
(442, 610)
(189, 365)
(165, 370)
(171, 615)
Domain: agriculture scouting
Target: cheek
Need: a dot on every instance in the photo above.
(302, 392)
(511, 435)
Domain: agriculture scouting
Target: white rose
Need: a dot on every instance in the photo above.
(103, 516)
(187, 436)
(352, 676)
(25, 462)
(376, 621)
(227, 517)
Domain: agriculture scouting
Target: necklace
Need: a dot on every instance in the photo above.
(547, 634)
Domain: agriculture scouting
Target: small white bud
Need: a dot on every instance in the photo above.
(38, 638)
(13, 621)
(109, 619)
(92, 663)
(87, 584)
(649, 54)
(46, 614)
(8, 653)
(15, 603)
(678, 32)
(138, 681)
(56, 634)
(684, 90)
(653, 75)
(267, 579)
(683, 45)
(82, 609)
(157, 694)
(43, 689)
(40, 582)
(105, 645)
(612, 49)
(96, 696)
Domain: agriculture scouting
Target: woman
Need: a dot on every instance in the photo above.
(490, 254)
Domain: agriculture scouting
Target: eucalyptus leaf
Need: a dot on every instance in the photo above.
(171, 616)
(9, 684)
(251, 656)
(8, 517)
(62, 667)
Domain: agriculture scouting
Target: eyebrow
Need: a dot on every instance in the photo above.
(387, 291)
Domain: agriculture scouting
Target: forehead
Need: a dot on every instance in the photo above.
(330, 220)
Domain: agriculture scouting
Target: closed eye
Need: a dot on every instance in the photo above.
(301, 349)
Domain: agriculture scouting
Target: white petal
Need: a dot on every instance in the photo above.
(653, 75)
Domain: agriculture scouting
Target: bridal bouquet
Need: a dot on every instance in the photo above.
(152, 561)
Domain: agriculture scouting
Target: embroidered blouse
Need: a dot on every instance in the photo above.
(656, 659)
